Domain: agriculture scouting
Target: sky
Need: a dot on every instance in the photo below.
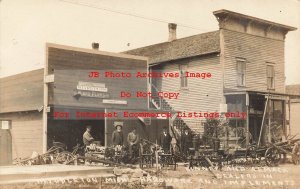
(120, 25)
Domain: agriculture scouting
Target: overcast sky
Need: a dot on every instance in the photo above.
(119, 25)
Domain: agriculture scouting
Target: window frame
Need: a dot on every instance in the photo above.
(183, 68)
(241, 74)
(272, 87)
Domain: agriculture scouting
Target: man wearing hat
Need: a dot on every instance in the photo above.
(165, 140)
(117, 135)
(186, 140)
(87, 137)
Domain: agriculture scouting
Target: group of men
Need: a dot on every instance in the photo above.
(165, 140)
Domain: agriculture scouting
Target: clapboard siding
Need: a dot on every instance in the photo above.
(295, 118)
(22, 92)
(258, 51)
(71, 65)
(26, 132)
(59, 58)
(202, 95)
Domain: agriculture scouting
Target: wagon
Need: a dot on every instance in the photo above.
(275, 151)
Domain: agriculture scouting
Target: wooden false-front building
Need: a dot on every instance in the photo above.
(41, 106)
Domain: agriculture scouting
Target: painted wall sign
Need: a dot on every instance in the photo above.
(95, 94)
(89, 89)
(89, 86)
(83, 83)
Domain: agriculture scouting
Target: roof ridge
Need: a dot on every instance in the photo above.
(176, 40)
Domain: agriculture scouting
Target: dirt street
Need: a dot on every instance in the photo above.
(285, 176)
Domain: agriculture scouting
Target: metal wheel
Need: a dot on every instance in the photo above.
(272, 156)
(296, 154)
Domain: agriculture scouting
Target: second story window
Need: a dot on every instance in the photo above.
(183, 78)
(241, 72)
(270, 77)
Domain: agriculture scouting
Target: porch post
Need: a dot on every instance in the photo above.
(289, 107)
(269, 120)
(247, 119)
(105, 129)
(45, 105)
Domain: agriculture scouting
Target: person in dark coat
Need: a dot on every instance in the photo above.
(165, 140)
(186, 140)
(133, 140)
(117, 136)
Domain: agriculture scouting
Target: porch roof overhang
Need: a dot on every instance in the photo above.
(259, 92)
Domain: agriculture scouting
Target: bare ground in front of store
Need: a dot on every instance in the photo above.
(231, 177)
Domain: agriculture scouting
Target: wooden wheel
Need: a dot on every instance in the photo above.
(296, 154)
(272, 156)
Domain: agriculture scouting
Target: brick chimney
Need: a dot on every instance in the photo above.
(95, 46)
(172, 31)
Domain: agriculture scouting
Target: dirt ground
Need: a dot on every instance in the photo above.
(284, 176)
(235, 177)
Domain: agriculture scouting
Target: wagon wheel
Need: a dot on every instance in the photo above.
(272, 156)
(296, 154)
(64, 157)
(252, 155)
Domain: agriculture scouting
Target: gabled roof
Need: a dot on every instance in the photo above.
(196, 45)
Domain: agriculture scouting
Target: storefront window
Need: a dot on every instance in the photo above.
(275, 119)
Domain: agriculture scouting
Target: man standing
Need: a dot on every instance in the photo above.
(117, 136)
(87, 137)
(132, 139)
(186, 141)
(165, 140)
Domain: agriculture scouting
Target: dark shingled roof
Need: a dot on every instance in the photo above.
(195, 45)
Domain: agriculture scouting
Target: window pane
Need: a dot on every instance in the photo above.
(270, 76)
(239, 67)
(241, 79)
(241, 71)
(183, 78)
(185, 82)
(270, 71)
